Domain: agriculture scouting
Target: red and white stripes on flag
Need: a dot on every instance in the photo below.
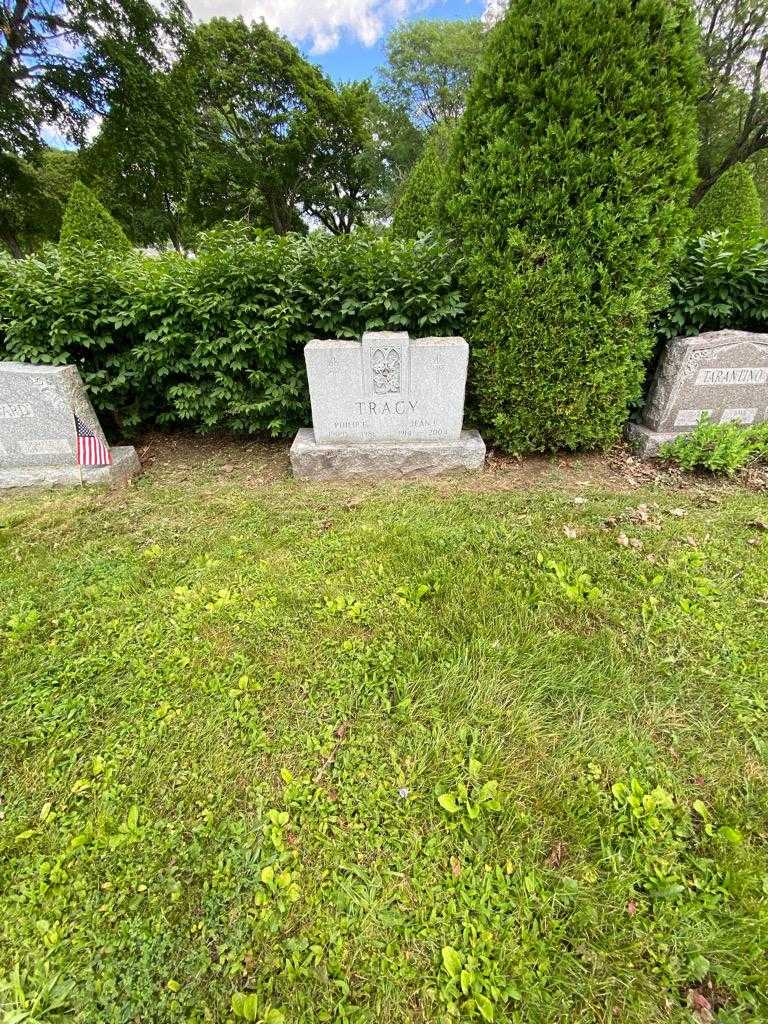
(90, 450)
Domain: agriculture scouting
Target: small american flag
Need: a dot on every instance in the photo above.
(90, 450)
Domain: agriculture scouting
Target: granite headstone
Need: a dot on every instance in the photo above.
(38, 434)
(723, 374)
(389, 406)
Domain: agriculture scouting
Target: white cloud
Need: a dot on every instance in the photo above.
(494, 11)
(317, 24)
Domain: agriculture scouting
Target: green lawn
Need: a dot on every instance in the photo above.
(398, 754)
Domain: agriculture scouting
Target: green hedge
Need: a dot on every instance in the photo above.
(216, 342)
(718, 283)
(575, 161)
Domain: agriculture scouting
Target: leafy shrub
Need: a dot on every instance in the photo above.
(420, 205)
(732, 204)
(87, 222)
(718, 447)
(718, 284)
(217, 342)
(573, 167)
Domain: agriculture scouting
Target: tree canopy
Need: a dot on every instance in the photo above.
(33, 194)
(430, 67)
(63, 62)
(733, 107)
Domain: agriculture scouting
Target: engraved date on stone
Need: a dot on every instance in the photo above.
(744, 416)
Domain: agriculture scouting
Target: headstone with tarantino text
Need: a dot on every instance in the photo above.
(721, 374)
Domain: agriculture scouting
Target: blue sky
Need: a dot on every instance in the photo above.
(352, 60)
(345, 37)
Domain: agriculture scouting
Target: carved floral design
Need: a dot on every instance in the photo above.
(386, 371)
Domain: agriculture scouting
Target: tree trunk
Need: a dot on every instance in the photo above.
(173, 231)
(11, 242)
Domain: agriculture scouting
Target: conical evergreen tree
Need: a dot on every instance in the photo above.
(420, 205)
(732, 204)
(87, 222)
(574, 164)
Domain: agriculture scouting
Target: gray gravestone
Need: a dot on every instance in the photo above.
(38, 435)
(387, 407)
(722, 373)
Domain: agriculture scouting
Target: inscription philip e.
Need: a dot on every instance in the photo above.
(387, 388)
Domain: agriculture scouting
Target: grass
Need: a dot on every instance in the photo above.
(388, 755)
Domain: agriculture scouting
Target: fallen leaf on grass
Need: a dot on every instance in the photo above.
(631, 908)
(635, 543)
(455, 867)
(610, 522)
(701, 1006)
(757, 524)
(570, 532)
(755, 542)
(623, 540)
(556, 855)
(640, 514)
(579, 501)
(678, 512)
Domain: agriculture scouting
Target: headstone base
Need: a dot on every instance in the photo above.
(384, 459)
(125, 464)
(646, 442)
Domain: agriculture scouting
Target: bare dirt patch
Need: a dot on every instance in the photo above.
(180, 457)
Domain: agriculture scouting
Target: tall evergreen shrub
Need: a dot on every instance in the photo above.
(87, 222)
(732, 205)
(420, 206)
(573, 168)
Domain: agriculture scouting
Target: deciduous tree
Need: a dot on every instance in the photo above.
(260, 110)
(430, 67)
(733, 107)
(63, 61)
(33, 194)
